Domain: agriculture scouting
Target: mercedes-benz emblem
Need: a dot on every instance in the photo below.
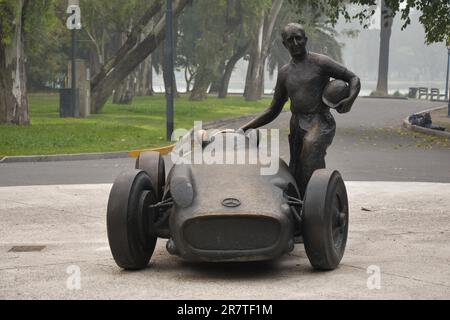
(231, 203)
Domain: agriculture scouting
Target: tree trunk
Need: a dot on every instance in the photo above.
(147, 78)
(94, 62)
(150, 91)
(126, 91)
(215, 86)
(118, 93)
(255, 76)
(254, 87)
(215, 83)
(141, 79)
(385, 37)
(188, 76)
(174, 84)
(203, 79)
(255, 66)
(225, 81)
(130, 55)
(13, 90)
(144, 78)
(147, 90)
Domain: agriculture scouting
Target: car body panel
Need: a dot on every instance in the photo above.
(256, 225)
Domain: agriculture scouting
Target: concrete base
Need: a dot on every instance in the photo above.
(401, 228)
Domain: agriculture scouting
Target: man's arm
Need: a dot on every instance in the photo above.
(279, 99)
(338, 71)
(355, 86)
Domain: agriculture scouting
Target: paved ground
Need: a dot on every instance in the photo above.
(405, 235)
(404, 229)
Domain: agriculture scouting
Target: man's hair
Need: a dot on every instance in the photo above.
(291, 27)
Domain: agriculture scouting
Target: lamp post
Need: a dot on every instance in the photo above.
(74, 68)
(74, 23)
(169, 68)
(446, 83)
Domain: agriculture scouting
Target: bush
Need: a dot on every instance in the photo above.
(377, 94)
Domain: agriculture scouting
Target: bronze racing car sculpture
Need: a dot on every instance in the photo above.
(220, 213)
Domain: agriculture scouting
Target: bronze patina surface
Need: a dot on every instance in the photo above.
(312, 127)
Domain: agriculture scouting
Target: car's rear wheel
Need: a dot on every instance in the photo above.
(130, 222)
(325, 219)
(153, 164)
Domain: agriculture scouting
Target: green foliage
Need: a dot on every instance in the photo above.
(200, 41)
(382, 94)
(45, 39)
(102, 20)
(47, 61)
(118, 128)
(7, 15)
(106, 26)
(38, 16)
(112, 15)
(435, 14)
(210, 32)
(321, 36)
(42, 33)
(377, 94)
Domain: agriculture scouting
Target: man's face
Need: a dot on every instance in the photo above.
(295, 42)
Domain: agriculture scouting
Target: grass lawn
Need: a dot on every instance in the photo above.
(118, 128)
(440, 118)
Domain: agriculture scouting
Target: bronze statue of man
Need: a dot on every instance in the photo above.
(312, 127)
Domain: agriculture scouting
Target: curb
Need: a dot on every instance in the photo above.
(65, 157)
(407, 125)
(385, 97)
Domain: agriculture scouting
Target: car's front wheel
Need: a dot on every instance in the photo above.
(325, 219)
(153, 164)
(130, 222)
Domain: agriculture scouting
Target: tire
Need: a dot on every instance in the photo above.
(129, 222)
(325, 219)
(153, 163)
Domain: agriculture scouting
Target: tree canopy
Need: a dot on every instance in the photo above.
(435, 14)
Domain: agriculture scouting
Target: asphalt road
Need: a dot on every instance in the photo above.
(368, 146)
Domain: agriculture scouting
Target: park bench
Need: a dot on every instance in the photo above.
(436, 95)
(423, 92)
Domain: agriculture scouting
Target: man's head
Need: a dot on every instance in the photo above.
(294, 39)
